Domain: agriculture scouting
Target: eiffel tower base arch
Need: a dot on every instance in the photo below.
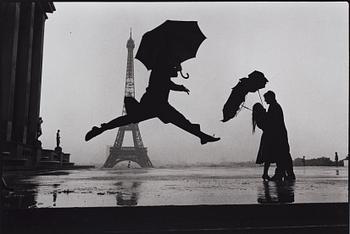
(138, 156)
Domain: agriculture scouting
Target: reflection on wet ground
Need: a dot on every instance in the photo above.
(173, 186)
(128, 199)
(276, 192)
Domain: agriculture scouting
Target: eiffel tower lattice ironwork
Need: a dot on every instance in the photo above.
(118, 152)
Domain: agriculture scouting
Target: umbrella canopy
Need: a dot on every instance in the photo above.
(255, 81)
(173, 42)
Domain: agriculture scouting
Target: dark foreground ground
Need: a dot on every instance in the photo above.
(312, 218)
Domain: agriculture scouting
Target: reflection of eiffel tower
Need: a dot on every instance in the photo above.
(127, 195)
(137, 153)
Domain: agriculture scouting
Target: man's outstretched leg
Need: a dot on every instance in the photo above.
(205, 138)
(136, 117)
(176, 118)
(117, 122)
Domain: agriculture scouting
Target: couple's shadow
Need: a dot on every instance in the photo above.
(276, 192)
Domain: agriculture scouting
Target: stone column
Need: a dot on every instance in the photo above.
(10, 14)
(35, 85)
(23, 76)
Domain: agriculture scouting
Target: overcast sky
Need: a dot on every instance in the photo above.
(302, 48)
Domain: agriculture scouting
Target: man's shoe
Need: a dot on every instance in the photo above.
(208, 138)
(93, 132)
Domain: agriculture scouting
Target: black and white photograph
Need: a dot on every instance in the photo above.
(174, 117)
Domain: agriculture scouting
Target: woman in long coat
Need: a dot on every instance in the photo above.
(264, 153)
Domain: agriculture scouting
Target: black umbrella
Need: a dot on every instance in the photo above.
(172, 41)
(255, 81)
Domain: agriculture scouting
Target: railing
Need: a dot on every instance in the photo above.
(132, 148)
(127, 148)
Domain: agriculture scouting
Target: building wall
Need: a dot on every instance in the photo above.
(21, 46)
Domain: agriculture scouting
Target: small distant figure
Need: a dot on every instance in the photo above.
(277, 142)
(336, 159)
(39, 130)
(264, 156)
(58, 139)
(303, 161)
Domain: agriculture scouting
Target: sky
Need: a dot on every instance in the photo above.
(302, 48)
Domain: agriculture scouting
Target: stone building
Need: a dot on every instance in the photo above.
(21, 49)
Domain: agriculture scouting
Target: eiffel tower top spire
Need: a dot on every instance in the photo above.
(130, 44)
(129, 81)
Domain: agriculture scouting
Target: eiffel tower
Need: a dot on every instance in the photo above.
(137, 153)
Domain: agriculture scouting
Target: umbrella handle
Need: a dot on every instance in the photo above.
(262, 103)
(185, 77)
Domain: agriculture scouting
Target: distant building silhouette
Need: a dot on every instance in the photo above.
(321, 161)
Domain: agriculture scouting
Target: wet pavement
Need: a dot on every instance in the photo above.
(174, 186)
